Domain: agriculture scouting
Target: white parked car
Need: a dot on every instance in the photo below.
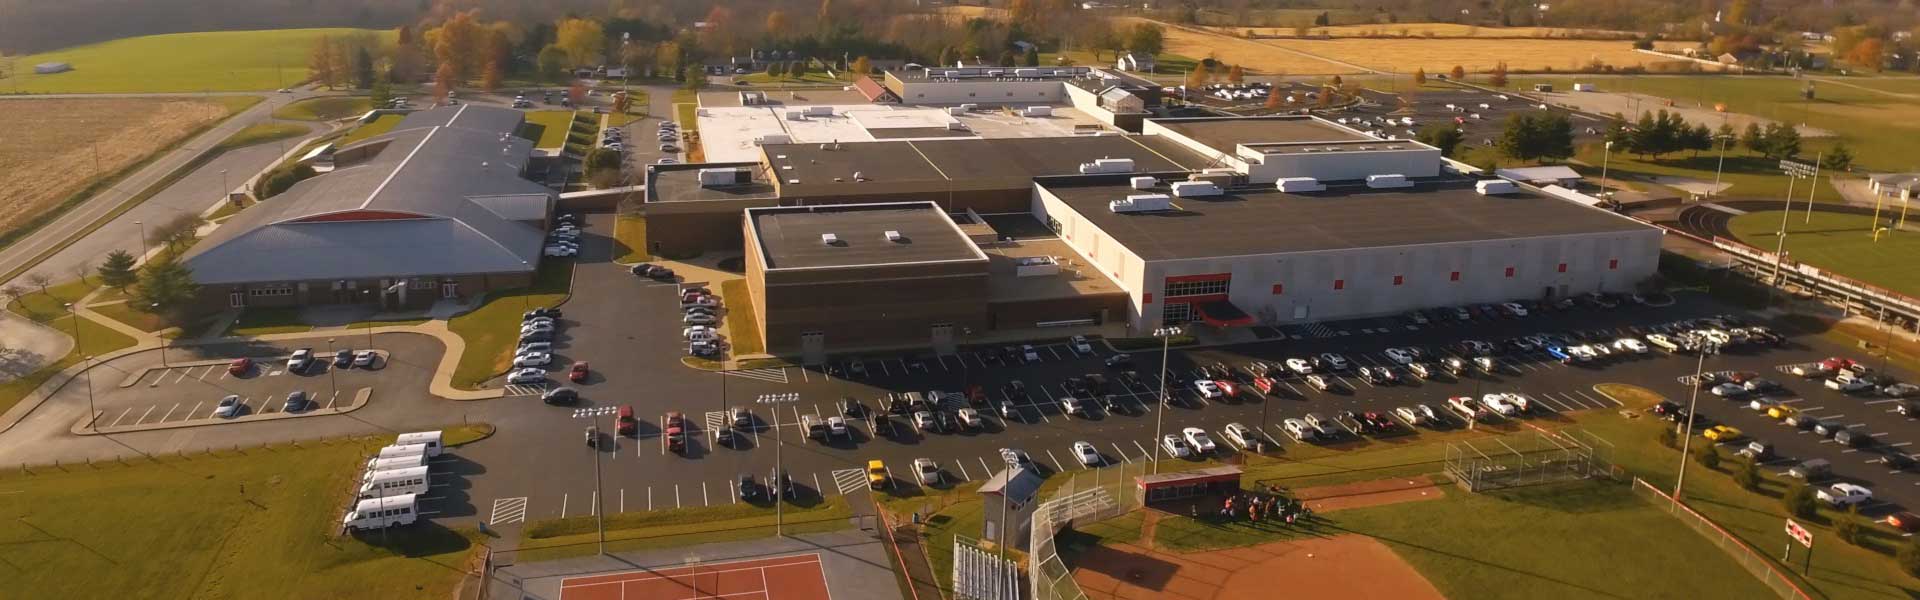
(1844, 494)
(533, 359)
(927, 471)
(1299, 429)
(970, 418)
(699, 319)
(1299, 366)
(537, 327)
(1399, 356)
(1515, 309)
(527, 375)
(699, 332)
(559, 251)
(1239, 434)
(1207, 389)
(1848, 384)
(1319, 382)
(228, 408)
(1080, 345)
(1334, 362)
(1411, 416)
(1030, 354)
(1630, 345)
(1197, 438)
(1499, 404)
(1074, 406)
(1087, 454)
(1175, 446)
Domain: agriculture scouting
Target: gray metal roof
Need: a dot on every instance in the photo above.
(444, 197)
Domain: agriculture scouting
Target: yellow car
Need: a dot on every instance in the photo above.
(877, 474)
(1722, 433)
(1782, 412)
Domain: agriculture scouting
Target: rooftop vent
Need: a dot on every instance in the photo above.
(1141, 203)
(1388, 181)
(1299, 184)
(895, 237)
(1194, 189)
(829, 239)
(1142, 183)
(1489, 187)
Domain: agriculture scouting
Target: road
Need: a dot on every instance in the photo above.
(25, 251)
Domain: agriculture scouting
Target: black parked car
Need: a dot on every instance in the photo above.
(343, 359)
(560, 395)
(1119, 361)
(749, 489)
(852, 408)
(540, 312)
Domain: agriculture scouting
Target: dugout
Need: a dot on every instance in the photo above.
(1167, 487)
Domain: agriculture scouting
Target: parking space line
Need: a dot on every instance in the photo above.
(563, 505)
(1597, 401)
(224, 375)
(962, 465)
(144, 415)
(623, 500)
(593, 506)
(816, 485)
(705, 500)
(676, 495)
(335, 398)
(649, 498)
(203, 374)
(803, 374)
(183, 375)
(123, 415)
(1122, 453)
(169, 415)
(733, 489)
(984, 467)
(1144, 454)
(267, 404)
(157, 378)
(196, 408)
(1056, 461)
(1549, 399)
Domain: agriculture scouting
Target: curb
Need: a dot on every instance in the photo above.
(360, 400)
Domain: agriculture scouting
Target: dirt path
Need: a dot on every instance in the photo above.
(1862, 87)
(1341, 566)
(1369, 493)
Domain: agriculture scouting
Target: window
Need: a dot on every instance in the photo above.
(1196, 288)
(1509, 271)
(1454, 277)
(1146, 298)
(1175, 313)
(971, 94)
(1397, 279)
(1613, 264)
(1563, 267)
(1339, 284)
(1278, 288)
(422, 284)
(271, 289)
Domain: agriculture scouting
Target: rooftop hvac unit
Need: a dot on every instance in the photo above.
(725, 176)
(773, 138)
(820, 111)
(1299, 184)
(957, 126)
(1039, 111)
(1388, 181)
(1489, 187)
(1141, 203)
(1196, 189)
(795, 115)
(1220, 180)
(1142, 183)
(894, 236)
(829, 239)
(956, 111)
(969, 106)
(1026, 72)
(1220, 170)
(1107, 165)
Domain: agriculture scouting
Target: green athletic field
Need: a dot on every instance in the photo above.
(181, 62)
(1842, 244)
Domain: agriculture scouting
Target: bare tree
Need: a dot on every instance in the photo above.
(39, 280)
(13, 292)
(84, 269)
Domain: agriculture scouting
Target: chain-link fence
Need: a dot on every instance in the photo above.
(1760, 566)
(1087, 497)
(1493, 463)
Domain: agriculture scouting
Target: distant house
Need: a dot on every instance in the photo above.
(1899, 186)
(1134, 61)
(49, 68)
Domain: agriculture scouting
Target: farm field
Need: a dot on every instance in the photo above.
(1841, 243)
(83, 139)
(180, 62)
(1423, 30)
(1475, 55)
(325, 108)
(1254, 55)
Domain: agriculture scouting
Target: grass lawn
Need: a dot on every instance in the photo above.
(1747, 174)
(676, 527)
(686, 110)
(124, 313)
(490, 331)
(226, 210)
(259, 523)
(379, 125)
(743, 329)
(50, 309)
(181, 62)
(1880, 129)
(265, 321)
(263, 133)
(811, 76)
(548, 128)
(325, 108)
(630, 237)
(1165, 65)
(1842, 244)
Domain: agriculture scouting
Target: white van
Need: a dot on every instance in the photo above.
(381, 513)
(375, 465)
(399, 482)
(430, 439)
(398, 450)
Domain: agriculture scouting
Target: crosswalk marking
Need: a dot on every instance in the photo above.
(508, 510)
(526, 390)
(716, 420)
(849, 480)
(773, 375)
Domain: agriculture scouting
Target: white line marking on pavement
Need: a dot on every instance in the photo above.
(1122, 453)
(169, 415)
(676, 495)
(963, 469)
(1056, 462)
(563, 505)
(123, 415)
(144, 415)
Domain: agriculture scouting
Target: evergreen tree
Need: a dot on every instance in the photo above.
(117, 271)
(1444, 136)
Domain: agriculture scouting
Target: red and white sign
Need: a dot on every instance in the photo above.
(1799, 533)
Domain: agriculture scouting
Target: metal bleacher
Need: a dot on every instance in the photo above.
(979, 575)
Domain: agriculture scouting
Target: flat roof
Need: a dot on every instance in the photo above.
(681, 183)
(790, 236)
(960, 164)
(1344, 217)
(1226, 134)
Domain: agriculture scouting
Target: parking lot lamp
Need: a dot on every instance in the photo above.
(1686, 431)
(143, 239)
(1605, 153)
(93, 416)
(163, 341)
(774, 486)
(333, 385)
(1165, 334)
(1004, 486)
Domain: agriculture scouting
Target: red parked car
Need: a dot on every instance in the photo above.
(239, 366)
(578, 373)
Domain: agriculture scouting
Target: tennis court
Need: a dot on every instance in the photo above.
(792, 577)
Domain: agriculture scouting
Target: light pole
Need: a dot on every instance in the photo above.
(1780, 245)
(1606, 153)
(775, 486)
(1724, 141)
(93, 415)
(1686, 431)
(1165, 334)
(155, 307)
(333, 385)
(1006, 481)
(143, 240)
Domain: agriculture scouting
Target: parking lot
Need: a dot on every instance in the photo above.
(190, 383)
(639, 473)
(1481, 115)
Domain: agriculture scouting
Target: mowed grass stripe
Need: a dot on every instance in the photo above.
(218, 61)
